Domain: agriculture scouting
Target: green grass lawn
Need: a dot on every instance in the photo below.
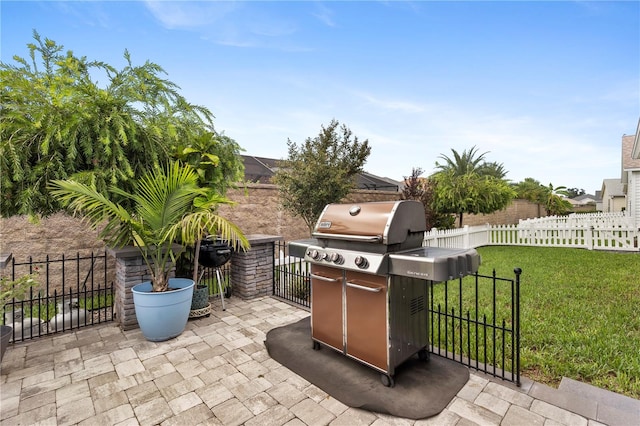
(580, 313)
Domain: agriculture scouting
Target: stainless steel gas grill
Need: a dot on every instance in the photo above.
(369, 276)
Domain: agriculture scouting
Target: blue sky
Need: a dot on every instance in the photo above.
(546, 88)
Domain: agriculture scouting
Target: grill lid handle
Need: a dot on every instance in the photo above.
(362, 238)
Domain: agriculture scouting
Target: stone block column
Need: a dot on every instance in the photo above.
(252, 271)
(131, 269)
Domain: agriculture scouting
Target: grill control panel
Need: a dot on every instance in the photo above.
(373, 263)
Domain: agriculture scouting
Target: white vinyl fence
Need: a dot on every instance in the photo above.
(597, 231)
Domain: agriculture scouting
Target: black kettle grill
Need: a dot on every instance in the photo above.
(215, 253)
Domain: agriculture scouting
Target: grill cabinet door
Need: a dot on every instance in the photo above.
(366, 317)
(326, 306)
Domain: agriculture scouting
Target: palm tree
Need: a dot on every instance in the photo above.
(168, 206)
(462, 164)
(555, 204)
(494, 169)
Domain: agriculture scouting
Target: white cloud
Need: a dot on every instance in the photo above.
(324, 14)
(187, 15)
(89, 14)
(237, 24)
(388, 104)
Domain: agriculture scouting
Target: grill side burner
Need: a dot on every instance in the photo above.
(369, 275)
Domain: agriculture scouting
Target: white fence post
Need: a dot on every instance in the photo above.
(465, 237)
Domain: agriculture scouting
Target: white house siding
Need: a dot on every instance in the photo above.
(633, 192)
(613, 196)
(631, 173)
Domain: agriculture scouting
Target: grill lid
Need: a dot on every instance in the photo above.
(383, 222)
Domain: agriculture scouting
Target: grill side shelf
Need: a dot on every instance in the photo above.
(434, 264)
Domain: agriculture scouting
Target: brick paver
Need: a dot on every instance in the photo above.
(217, 372)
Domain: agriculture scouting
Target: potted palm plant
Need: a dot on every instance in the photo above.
(11, 290)
(168, 207)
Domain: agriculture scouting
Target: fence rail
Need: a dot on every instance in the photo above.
(73, 292)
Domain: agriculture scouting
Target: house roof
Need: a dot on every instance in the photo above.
(261, 169)
(258, 169)
(584, 199)
(613, 187)
(628, 160)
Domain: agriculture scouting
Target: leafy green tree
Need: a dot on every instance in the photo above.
(58, 123)
(470, 193)
(216, 158)
(423, 190)
(320, 171)
(575, 192)
(466, 183)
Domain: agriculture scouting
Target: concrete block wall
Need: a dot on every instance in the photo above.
(252, 271)
(258, 210)
(518, 209)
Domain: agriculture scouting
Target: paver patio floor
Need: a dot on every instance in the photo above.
(217, 372)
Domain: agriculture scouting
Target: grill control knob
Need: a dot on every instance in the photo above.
(314, 254)
(361, 262)
(336, 258)
(324, 256)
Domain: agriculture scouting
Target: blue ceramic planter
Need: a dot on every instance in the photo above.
(164, 315)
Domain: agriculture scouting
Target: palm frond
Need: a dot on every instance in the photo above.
(96, 209)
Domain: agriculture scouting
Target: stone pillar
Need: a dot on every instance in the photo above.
(5, 259)
(130, 270)
(252, 271)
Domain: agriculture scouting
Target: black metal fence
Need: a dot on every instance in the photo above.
(72, 292)
(473, 320)
(291, 276)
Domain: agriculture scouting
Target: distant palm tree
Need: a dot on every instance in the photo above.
(555, 203)
(494, 169)
(462, 164)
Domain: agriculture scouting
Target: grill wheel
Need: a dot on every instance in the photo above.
(387, 380)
